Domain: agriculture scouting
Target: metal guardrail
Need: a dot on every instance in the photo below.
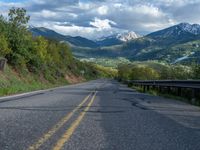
(168, 85)
(195, 84)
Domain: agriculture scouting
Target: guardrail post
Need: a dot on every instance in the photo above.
(160, 89)
(144, 88)
(147, 87)
(168, 90)
(193, 96)
(179, 91)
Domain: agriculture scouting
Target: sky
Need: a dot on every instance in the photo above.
(100, 18)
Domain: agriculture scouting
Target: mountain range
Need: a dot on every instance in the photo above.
(81, 41)
(180, 33)
(73, 41)
(174, 44)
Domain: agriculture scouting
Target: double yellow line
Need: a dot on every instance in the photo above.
(65, 137)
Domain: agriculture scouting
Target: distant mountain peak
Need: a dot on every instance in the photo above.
(184, 24)
(179, 33)
(128, 36)
(191, 28)
(117, 39)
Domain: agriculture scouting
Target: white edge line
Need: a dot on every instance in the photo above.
(32, 93)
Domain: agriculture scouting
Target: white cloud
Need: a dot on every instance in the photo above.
(92, 18)
(117, 5)
(85, 6)
(5, 6)
(87, 32)
(47, 13)
(103, 10)
(147, 10)
(102, 24)
(39, 1)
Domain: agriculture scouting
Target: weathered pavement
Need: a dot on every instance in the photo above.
(101, 114)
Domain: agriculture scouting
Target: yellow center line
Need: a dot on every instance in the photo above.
(65, 137)
(52, 131)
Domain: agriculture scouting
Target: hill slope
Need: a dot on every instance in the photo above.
(170, 44)
(177, 34)
(75, 41)
(34, 62)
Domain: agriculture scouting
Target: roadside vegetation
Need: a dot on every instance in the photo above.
(35, 62)
(161, 71)
(153, 70)
(108, 62)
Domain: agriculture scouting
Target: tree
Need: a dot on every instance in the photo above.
(2, 25)
(4, 49)
(124, 71)
(18, 17)
(196, 70)
(18, 36)
(143, 73)
(41, 48)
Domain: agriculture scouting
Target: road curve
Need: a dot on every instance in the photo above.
(98, 115)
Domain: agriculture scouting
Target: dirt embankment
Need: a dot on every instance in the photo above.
(71, 78)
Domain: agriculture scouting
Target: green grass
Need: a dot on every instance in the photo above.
(12, 82)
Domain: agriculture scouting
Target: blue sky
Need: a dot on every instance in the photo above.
(12, 0)
(96, 18)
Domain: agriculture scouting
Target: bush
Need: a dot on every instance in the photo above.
(157, 71)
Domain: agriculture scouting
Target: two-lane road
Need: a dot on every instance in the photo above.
(101, 114)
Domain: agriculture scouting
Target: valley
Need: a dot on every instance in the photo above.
(167, 45)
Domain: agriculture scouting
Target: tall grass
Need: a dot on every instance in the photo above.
(12, 82)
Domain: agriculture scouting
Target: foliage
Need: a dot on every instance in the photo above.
(196, 71)
(18, 17)
(108, 62)
(106, 71)
(137, 72)
(4, 49)
(143, 73)
(157, 71)
(48, 61)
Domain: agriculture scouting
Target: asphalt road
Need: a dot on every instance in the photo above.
(101, 114)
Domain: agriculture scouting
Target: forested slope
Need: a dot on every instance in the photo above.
(35, 62)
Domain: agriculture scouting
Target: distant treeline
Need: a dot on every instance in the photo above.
(38, 55)
(158, 71)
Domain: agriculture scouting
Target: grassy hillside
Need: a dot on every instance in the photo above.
(13, 82)
(35, 62)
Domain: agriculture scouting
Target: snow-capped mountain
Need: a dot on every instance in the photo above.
(117, 39)
(179, 29)
(180, 33)
(128, 36)
(194, 28)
